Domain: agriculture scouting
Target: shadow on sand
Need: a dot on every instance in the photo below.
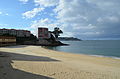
(17, 46)
(8, 72)
(24, 57)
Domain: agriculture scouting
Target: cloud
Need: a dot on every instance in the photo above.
(89, 18)
(47, 23)
(24, 1)
(0, 13)
(41, 5)
(3, 25)
(32, 13)
(7, 14)
(80, 18)
(4, 13)
(46, 3)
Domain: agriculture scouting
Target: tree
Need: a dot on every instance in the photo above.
(57, 32)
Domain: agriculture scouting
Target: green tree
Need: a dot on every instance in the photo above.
(57, 32)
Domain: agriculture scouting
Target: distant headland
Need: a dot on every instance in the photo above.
(69, 39)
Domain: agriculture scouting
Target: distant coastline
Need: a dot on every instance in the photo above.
(68, 39)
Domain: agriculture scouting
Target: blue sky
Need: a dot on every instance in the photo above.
(11, 14)
(85, 19)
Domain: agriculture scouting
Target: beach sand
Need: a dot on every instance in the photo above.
(35, 62)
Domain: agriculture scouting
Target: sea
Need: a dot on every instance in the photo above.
(101, 48)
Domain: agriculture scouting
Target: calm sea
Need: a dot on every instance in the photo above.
(109, 48)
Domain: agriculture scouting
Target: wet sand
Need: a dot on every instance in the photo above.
(35, 62)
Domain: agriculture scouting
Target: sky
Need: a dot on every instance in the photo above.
(84, 19)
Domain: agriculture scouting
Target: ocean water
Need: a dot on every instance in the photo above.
(107, 48)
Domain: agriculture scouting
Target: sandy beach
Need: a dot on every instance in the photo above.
(35, 62)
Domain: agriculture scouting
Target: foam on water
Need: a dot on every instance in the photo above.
(106, 56)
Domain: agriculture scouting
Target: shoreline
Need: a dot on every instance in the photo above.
(102, 56)
(113, 57)
(37, 62)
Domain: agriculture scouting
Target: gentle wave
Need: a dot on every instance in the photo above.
(106, 56)
(99, 48)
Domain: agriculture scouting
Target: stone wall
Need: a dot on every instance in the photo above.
(6, 41)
